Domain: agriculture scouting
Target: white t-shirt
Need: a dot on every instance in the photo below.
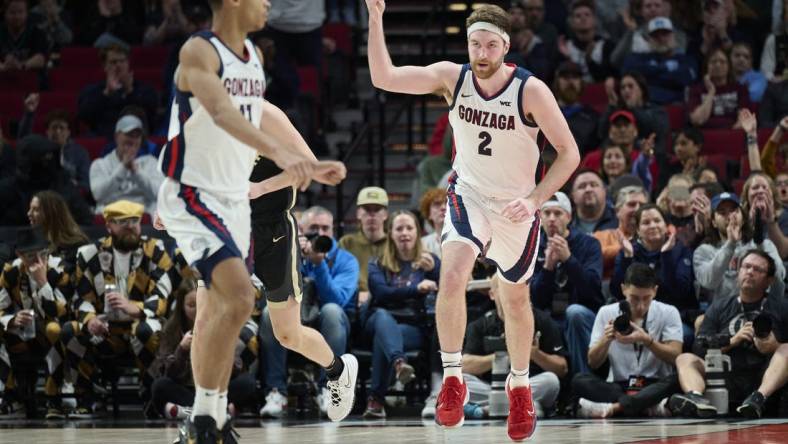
(663, 323)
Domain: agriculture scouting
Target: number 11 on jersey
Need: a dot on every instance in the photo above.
(246, 110)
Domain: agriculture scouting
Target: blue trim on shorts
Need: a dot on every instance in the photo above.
(459, 216)
(528, 255)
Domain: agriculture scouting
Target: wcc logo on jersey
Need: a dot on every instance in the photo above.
(486, 119)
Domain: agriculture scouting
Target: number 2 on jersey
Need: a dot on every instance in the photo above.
(486, 138)
(246, 111)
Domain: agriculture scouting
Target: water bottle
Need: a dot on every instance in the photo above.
(473, 411)
(112, 314)
(717, 366)
(28, 331)
(498, 401)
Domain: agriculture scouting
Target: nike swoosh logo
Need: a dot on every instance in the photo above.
(557, 348)
(277, 239)
(469, 95)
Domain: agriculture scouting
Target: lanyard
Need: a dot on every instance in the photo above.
(639, 347)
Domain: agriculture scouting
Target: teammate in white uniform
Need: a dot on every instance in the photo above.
(496, 113)
(219, 123)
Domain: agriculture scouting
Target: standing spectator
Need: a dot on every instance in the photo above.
(774, 105)
(717, 31)
(22, 45)
(399, 282)
(38, 168)
(759, 365)
(636, 41)
(433, 208)
(548, 356)
(759, 194)
(592, 210)
(527, 48)
(121, 174)
(771, 160)
(335, 277)
(640, 362)
(568, 277)
(667, 71)
(568, 88)
(584, 47)
(296, 28)
(49, 211)
(546, 31)
(52, 21)
(172, 392)
(33, 289)
(101, 103)
(774, 58)
(108, 20)
(716, 102)
(671, 260)
(630, 93)
(126, 319)
(615, 18)
(165, 22)
(628, 202)
(368, 242)
(741, 65)
(717, 260)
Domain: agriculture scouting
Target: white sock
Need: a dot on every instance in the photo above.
(221, 410)
(519, 378)
(452, 364)
(205, 402)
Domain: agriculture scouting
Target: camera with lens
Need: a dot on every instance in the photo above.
(714, 342)
(622, 324)
(762, 324)
(320, 244)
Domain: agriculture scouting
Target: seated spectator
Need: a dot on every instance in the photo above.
(680, 207)
(759, 194)
(368, 242)
(147, 146)
(108, 19)
(335, 276)
(694, 231)
(718, 30)
(592, 210)
(584, 47)
(172, 392)
(568, 277)
(623, 131)
(23, 46)
(774, 157)
(74, 158)
(675, 181)
(400, 281)
(122, 286)
(100, 104)
(759, 364)
(433, 208)
(716, 102)
(641, 361)
(615, 163)
(568, 88)
(50, 212)
(548, 356)
(121, 174)
(546, 31)
(38, 169)
(630, 93)
(686, 158)
(774, 105)
(527, 48)
(741, 65)
(33, 290)
(629, 200)
(671, 260)
(53, 21)
(636, 41)
(730, 236)
(165, 22)
(666, 70)
(774, 60)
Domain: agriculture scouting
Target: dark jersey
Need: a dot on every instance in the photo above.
(270, 206)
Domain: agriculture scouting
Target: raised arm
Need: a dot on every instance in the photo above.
(437, 78)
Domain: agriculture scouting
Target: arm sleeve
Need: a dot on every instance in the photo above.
(102, 178)
(622, 263)
(149, 177)
(599, 326)
(160, 284)
(340, 283)
(542, 287)
(673, 329)
(585, 271)
(86, 294)
(768, 159)
(710, 263)
(676, 276)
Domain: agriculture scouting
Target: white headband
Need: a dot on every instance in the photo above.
(486, 26)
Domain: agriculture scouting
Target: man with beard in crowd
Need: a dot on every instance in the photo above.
(568, 87)
(122, 283)
(592, 210)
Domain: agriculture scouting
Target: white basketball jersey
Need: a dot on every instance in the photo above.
(198, 152)
(496, 150)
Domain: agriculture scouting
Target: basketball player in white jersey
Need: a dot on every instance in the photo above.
(219, 124)
(496, 112)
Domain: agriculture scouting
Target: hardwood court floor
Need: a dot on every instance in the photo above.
(673, 431)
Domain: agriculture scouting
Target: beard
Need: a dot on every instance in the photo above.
(126, 242)
(487, 72)
(569, 95)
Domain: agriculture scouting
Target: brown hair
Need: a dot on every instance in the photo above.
(55, 115)
(388, 258)
(57, 222)
(428, 198)
(745, 192)
(490, 14)
(104, 52)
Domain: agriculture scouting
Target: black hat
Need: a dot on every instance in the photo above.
(30, 239)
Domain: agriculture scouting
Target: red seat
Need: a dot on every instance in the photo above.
(151, 77)
(724, 141)
(594, 94)
(738, 185)
(79, 57)
(720, 164)
(19, 81)
(341, 34)
(55, 100)
(94, 145)
(677, 116)
(12, 103)
(74, 79)
(308, 78)
(149, 57)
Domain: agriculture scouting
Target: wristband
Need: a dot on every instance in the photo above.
(751, 139)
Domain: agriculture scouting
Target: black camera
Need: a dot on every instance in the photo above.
(762, 324)
(714, 342)
(320, 244)
(622, 323)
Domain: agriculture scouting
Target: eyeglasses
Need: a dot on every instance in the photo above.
(126, 222)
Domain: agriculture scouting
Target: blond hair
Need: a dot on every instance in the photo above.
(388, 258)
(490, 14)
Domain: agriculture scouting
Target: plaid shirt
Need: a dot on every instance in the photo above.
(149, 282)
(19, 291)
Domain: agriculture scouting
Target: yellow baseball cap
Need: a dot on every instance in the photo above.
(373, 196)
(123, 209)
